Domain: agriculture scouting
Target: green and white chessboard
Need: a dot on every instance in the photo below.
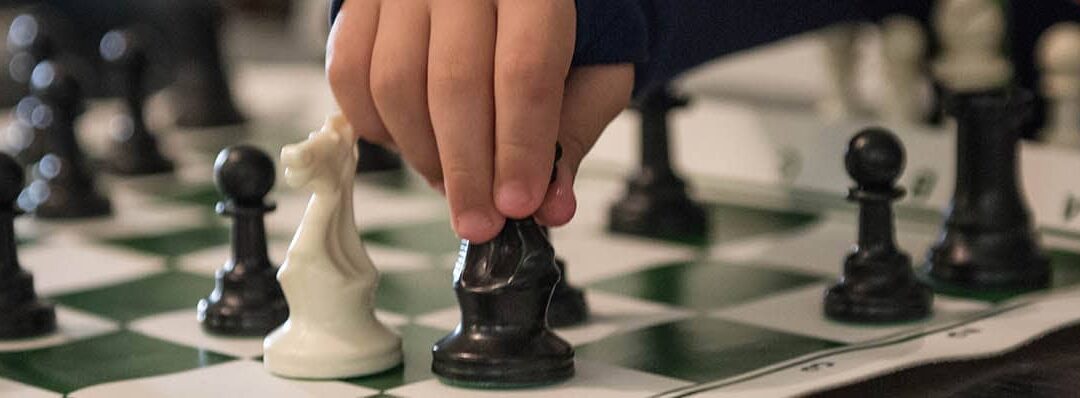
(740, 316)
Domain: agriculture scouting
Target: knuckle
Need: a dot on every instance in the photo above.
(455, 78)
(531, 78)
(392, 85)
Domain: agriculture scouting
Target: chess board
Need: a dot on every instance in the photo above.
(738, 316)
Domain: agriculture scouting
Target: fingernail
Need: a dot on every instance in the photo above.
(470, 224)
(513, 197)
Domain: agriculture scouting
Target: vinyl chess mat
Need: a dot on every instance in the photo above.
(738, 316)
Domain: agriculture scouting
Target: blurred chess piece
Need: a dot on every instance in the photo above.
(903, 49)
(1059, 59)
(972, 35)
(842, 61)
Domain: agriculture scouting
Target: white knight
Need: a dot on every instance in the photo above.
(328, 279)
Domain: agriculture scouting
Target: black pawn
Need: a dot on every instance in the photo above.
(247, 299)
(374, 159)
(878, 285)
(656, 203)
(135, 150)
(568, 306)
(503, 287)
(201, 94)
(63, 187)
(22, 314)
(988, 242)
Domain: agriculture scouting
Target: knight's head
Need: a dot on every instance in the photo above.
(321, 158)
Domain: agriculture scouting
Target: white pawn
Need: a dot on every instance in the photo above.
(903, 48)
(1059, 59)
(841, 63)
(328, 279)
(971, 34)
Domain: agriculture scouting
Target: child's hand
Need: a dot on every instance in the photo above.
(474, 94)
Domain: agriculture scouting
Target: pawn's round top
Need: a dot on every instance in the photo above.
(244, 174)
(52, 83)
(11, 180)
(27, 33)
(875, 158)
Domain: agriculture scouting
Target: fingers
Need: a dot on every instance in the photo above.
(594, 96)
(460, 95)
(532, 57)
(348, 65)
(399, 83)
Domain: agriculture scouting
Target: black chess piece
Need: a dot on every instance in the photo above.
(135, 150)
(24, 138)
(879, 284)
(201, 94)
(22, 313)
(656, 203)
(374, 159)
(247, 299)
(568, 306)
(988, 242)
(63, 187)
(503, 287)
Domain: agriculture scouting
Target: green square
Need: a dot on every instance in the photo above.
(733, 222)
(205, 195)
(417, 342)
(162, 292)
(416, 292)
(176, 243)
(430, 237)
(112, 357)
(705, 284)
(701, 349)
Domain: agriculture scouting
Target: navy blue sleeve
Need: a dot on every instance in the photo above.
(608, 31)
(667, 37)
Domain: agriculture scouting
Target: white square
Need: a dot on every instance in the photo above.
(386, 259)
(593, 255)
(133, 214)
(592, 380)
(372, 207)
(9, 388)
(182, 327)
(818, 249)
(242, 378)
(608, 314)
(71, 325)
(66, 263)
(800, 312)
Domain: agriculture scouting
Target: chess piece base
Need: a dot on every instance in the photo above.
(997, 261)
(568, 307)
(659, 208)
(845, 303)
(233, 310)
(490, 357)
(290, 353)
(88, 206)
(22, 314)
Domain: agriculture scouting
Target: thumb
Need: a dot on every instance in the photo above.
(594, 95)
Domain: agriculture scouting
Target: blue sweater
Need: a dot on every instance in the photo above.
(666, 37)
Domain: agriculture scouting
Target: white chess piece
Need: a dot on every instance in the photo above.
(1059, 58)
(903, 48)
(841, 62)
(971, 34)
(328, 278)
